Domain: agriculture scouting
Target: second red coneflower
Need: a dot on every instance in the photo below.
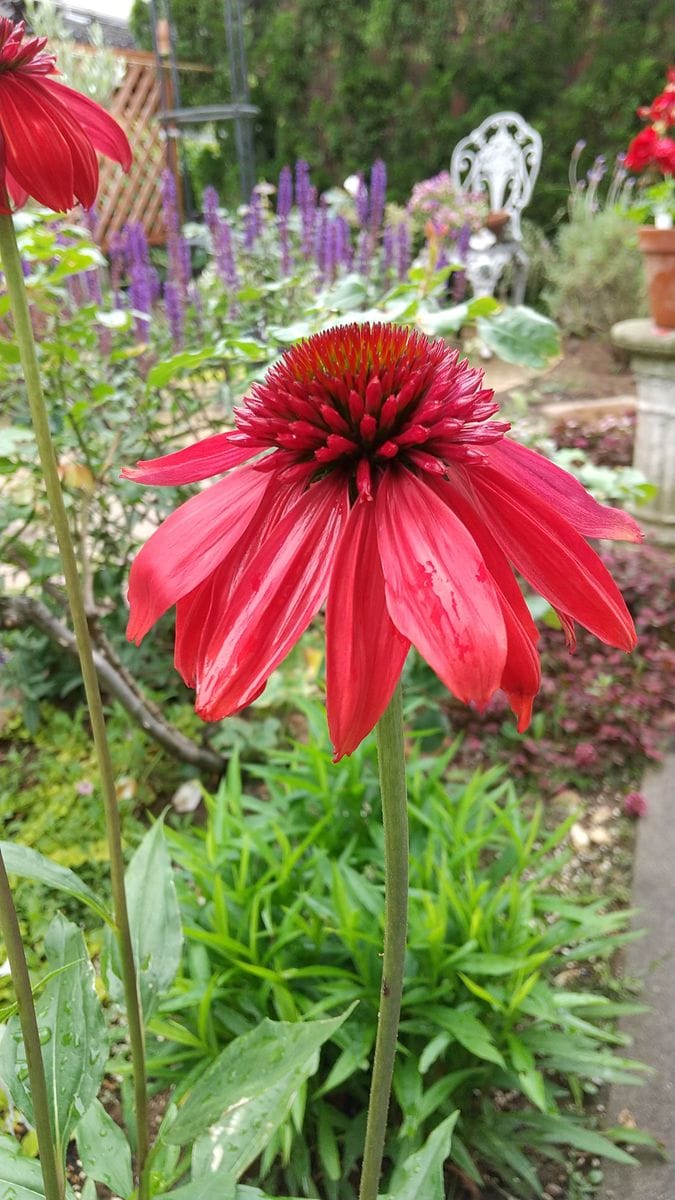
(381, 485)
(49, 134)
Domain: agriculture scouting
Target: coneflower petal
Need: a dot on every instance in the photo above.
(189, 545)
(365, 652)
(283, 587)
(563, 491)
(202, 460)
(553, 557)
(439, 593)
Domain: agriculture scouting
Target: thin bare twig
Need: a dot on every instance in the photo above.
(24, 610)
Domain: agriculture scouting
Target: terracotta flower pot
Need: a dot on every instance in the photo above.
(658, 248)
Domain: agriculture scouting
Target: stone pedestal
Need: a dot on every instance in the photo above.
(652, 357)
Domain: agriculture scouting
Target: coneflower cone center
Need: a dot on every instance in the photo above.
(360, 397)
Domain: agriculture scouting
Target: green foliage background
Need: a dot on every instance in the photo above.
(341, 84)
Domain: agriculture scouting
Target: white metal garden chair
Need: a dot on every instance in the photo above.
(501, 157)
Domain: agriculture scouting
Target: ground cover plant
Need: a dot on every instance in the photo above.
(382, 475)
(280, 893)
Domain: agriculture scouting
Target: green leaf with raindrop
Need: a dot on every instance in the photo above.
(154, 917)
(421, 1175)
(104, 1150)
(21, 1178)
(247, 1092)
(72, 1034)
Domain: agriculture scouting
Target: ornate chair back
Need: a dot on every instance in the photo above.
(502, 156)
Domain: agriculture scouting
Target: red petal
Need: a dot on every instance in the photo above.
(365, 652)
(18, 194)
(552, 556)
(439, 593)
(283, 587)
(563, 491)
(37, 154)
(199, 461)
(189, 545)
(198, 613)
(521, 679)
(102, 130)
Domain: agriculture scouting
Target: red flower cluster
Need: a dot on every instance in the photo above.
(653, 146)
(368, 474)
(49, 134)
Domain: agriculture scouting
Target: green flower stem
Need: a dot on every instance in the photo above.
(391, 759)
(9, 254)
(52, 1174)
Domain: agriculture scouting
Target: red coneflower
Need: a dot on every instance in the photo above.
(49, 134)
(382, 486)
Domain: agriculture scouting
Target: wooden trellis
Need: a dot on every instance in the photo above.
(136, 196)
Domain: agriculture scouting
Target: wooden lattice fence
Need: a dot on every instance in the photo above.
(136, 196)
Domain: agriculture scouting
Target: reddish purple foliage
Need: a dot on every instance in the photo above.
(607, 440)
(635, 804)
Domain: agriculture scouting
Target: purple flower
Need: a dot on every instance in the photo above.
(322, 242)
(91, 220)
(361, 202)
(284, 193)
(388, 249)
(403, 251)
(170, 204)
(462, 243)
(378, 192)
(116, 251)
(142, 277)
(175, 311)
(222, 241)
(305, 195)
(211, 209)
(302, 183)
(342, 241)
(253, 221)
(84, 787)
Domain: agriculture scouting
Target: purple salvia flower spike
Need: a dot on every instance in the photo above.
(378, 194)
(403, 251)
(284, 193)
(361, 202)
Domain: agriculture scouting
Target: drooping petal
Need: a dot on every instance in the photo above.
(563, 491)
(104, 133)
(521, 678)
(189, 545)
(37, 154)
(199, 461)
(553, 557)
(198, 613)
(439, 593)
(365, 652)
(18, 194)
(283, 587)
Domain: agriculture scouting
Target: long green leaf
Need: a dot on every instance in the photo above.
(421, 1175)
(104, 1150)
(21, 1178)
(72, 1033)
(247, 1092)
(154, 917)
(30, 864)
(220, 1186)
(469, 1032)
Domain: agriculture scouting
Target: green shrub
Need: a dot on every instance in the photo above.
(281, 897)
(596, 275)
